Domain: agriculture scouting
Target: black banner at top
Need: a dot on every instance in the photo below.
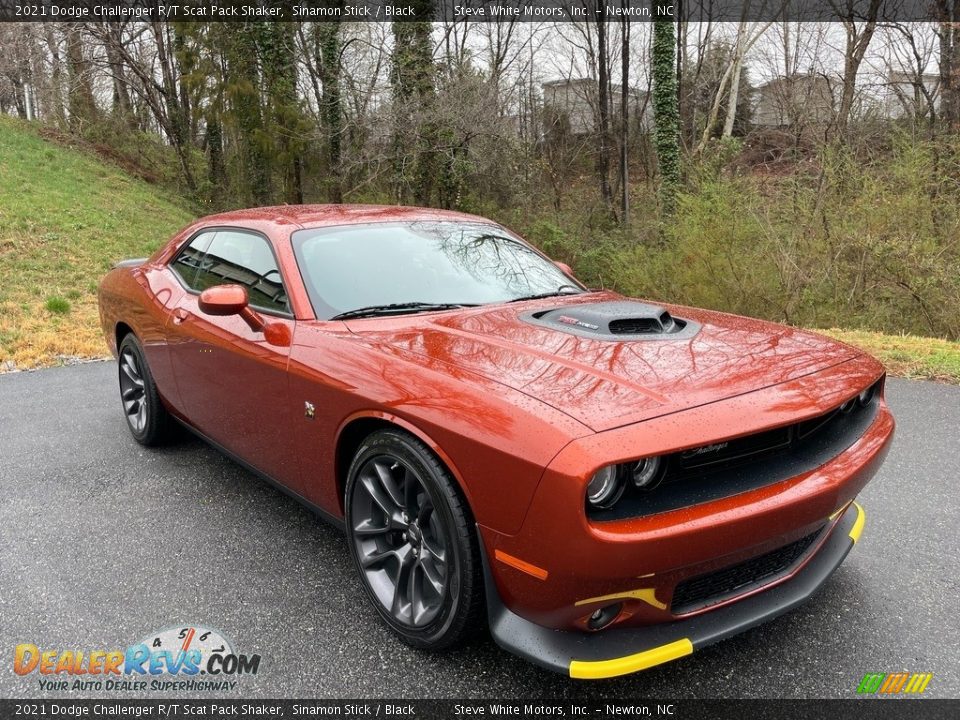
(478, 10)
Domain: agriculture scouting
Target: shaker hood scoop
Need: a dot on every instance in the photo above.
(614, 320)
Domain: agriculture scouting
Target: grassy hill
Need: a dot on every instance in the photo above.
(65, 217)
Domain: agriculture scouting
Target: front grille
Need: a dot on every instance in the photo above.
(778, 441)
(732, 451)
(705, 590)
(731, 467)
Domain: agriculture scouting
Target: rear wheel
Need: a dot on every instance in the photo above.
(147, 418)
(413, 541)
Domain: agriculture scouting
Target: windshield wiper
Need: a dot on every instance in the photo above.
(562, 290)
(398, 309)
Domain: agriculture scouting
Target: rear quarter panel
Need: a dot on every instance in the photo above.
(141, 298)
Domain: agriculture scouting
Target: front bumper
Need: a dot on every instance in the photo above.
(561, 566)
(620, 651)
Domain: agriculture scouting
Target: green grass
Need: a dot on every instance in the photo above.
(908, 356)
(57, 305)
(65, 217)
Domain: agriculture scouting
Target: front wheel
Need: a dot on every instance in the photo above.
(413, 541)
(147, 418)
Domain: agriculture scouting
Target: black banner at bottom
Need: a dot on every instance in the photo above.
(855, 709)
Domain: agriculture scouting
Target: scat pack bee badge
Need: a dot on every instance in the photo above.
(199, 658)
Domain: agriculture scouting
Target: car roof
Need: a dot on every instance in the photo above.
(325, 215)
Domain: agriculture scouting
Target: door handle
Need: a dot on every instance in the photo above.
(179, 315)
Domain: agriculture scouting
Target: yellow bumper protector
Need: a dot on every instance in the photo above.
(839, 511)
(857, 528)
(648, 595)
(599, 669)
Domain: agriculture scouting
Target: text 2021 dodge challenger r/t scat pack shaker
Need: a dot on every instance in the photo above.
(609, 484)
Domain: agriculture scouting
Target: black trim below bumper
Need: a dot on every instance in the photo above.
(621, 651)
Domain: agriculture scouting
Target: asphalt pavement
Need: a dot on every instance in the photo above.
(104, 542)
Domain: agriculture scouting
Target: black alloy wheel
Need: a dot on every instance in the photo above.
(413, 541)
(132, 391)
(147, 418)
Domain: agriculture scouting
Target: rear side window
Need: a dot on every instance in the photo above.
(188, 261)
(234, 257)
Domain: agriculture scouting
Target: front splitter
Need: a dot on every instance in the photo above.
(606, 654)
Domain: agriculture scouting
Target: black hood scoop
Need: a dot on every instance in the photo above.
(617, 320)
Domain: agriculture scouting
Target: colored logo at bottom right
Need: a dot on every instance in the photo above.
(902, 683)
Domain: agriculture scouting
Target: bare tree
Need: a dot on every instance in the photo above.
(625, 95)
(603, 106)
(947, 31)
(82, 106)
(162, 95)
(747, 34)
(689, 68)
(858, 36)
(327, 48)
(16, 69)
(55, 103)
(121, 93)
(911, 89)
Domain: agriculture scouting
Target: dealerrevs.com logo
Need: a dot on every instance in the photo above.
(191, 658)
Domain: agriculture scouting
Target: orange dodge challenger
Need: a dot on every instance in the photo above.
(607, 483)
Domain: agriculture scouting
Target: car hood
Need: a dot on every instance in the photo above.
(605, 383)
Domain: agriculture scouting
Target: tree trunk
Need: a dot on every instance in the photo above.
(56, 74)
(177, 122)
(625, 117)
(734, 96)
(415, 136)
(732, 100)
(244, 93)
(947, 36)
(665, 107)
(327, 43)
(283, 110)
(216, 168)
(603, 102)
(121, 96)
(183, 64)
(856, 46)
(83, 107)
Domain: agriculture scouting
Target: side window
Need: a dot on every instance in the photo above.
(240, 258)
(188, 261)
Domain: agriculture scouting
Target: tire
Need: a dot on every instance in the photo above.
(147, 418)
(413, 542)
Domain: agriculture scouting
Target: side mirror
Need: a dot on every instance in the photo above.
(563, 266)
(224, 300)
(233, 300)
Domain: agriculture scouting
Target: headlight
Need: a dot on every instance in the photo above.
(605, 487)
(865, 397)
(848, 406)
(646, 471)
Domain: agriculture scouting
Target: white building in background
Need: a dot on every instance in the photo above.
(575, 102)
(908, 95)
(799, 100)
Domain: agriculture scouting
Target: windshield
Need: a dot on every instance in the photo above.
(351, 267)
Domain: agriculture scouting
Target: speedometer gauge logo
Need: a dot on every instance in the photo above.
(207, 641)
